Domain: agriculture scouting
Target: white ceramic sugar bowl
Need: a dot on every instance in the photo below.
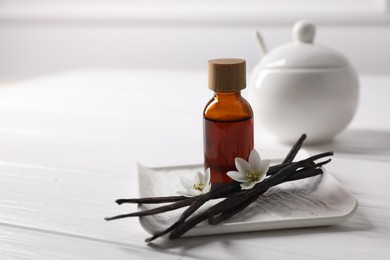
(301, 87)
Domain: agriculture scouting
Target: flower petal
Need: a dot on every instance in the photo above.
(206, 178)
(198, 178)
(187, 183)
(183, 193)
(261, 177)
(264, 166)
(247, 185)
(206, 189)
(254, 159)
(242, 165)
(194, 192)
(237, 176)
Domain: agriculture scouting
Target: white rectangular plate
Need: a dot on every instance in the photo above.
(315, 201)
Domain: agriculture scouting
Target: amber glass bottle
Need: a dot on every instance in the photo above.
(228, 119)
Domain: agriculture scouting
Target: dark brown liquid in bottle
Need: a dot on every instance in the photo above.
(228, 133)
(223, 142)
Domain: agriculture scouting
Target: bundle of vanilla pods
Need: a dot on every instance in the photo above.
(235, 199)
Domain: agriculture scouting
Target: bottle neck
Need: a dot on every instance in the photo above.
(227, 96)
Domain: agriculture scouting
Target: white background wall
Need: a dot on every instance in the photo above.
(44, 38)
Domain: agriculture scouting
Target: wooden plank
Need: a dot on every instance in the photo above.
(16, 243)
(74, 203)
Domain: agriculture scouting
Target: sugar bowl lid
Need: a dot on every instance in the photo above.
(302, 53)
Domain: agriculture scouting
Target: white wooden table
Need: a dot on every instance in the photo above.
(69, 145)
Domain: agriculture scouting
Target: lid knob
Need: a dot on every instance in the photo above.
(304, 31)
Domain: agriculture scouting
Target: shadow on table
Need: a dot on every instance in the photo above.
(363, 142)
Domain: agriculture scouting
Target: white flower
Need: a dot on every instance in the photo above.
(199, 185)
(251, 172)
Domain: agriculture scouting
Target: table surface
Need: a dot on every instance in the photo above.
(69, 144)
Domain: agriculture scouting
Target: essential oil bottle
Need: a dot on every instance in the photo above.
(228, 119)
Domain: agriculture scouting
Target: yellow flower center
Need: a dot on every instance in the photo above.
(253, 175)
(199, 186)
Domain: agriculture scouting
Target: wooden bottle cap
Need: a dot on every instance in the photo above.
(227, 74)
